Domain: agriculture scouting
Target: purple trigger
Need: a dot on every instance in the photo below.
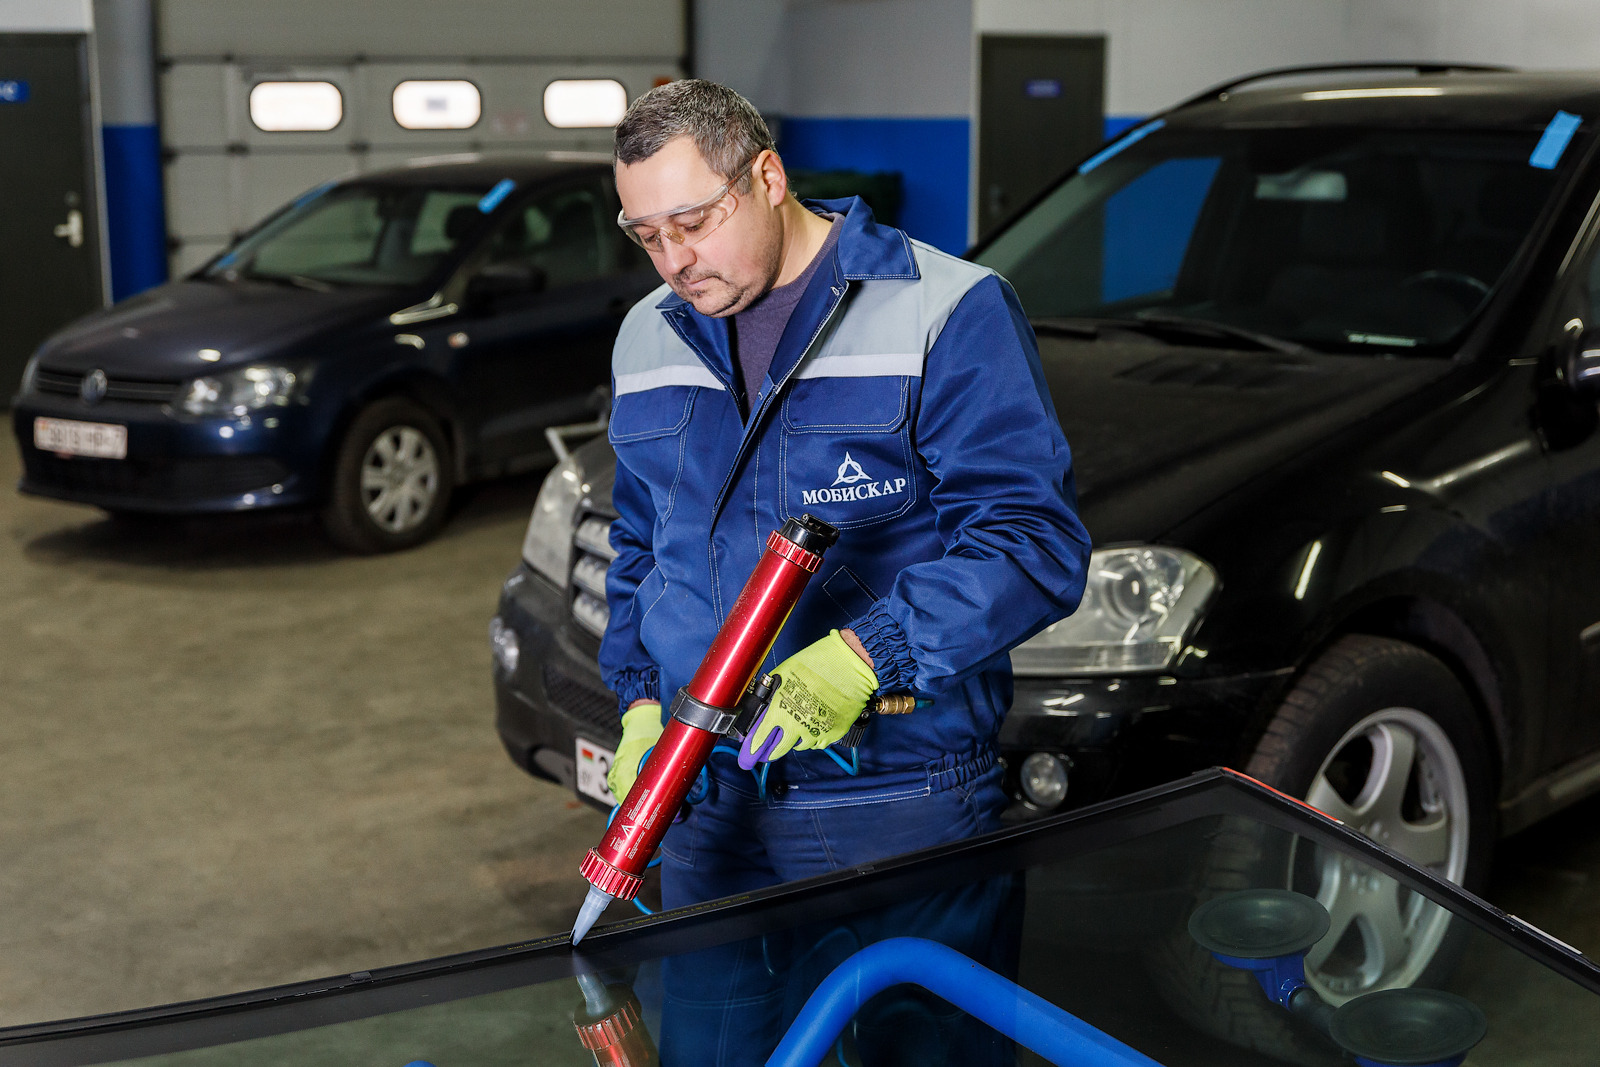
(747, 758)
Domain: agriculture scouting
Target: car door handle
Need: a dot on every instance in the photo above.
(72, 229)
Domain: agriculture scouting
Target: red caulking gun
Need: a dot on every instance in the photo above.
(703, 712)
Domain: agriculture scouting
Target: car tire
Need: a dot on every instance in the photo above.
(392, 479)
(1382, 735)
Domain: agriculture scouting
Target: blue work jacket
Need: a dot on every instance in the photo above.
(905, 405)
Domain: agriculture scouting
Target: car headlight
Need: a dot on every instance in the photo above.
(29, 373)
(547, 546)
(1139, 606)
(239, 391)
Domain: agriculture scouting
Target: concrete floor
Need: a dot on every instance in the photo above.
(232, 757)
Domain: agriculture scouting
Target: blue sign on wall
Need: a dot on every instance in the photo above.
(13, 91)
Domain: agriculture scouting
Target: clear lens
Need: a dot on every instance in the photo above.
(1139, 606)
(503, 643)
(547, 546)
(1044, 780)
(241, 391)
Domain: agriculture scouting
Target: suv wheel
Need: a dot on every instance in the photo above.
(391, 481)
(1382, 736)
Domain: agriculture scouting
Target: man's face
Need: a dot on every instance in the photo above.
(733, 266)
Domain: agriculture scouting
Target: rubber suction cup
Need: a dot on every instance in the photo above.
(1405, 1027)
(1258, 924)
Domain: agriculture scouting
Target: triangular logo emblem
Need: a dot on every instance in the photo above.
(850, 472)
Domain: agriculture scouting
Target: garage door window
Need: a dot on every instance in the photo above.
(587, 102)
(288, 107)
(437, 105)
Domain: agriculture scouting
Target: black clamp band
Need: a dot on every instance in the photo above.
(691, 712)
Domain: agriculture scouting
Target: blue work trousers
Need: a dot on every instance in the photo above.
(731, 1004)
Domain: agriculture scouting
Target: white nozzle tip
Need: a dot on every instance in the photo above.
(593, 905)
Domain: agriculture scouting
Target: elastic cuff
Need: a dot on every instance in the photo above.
(636, 684)
(886, 643)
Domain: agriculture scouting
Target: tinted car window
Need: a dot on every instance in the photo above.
(1106, 916)
(1337, 238)
(559, 233)
(358, 235)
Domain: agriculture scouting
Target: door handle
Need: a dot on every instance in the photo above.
(72, 229)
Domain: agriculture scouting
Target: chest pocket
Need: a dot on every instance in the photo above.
(846, 453)
(647, 431)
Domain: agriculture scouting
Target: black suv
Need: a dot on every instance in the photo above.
(1324, 349)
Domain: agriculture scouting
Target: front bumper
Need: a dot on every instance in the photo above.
(1116, 735)
(555, 695)
(266, 459)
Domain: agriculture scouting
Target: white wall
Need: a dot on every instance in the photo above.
(455, 29)
(45, 16)
(1160, 51)
(840, 58)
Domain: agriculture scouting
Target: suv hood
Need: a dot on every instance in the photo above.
(159, 334)
(1159, 432)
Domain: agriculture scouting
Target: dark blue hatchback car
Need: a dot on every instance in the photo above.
(363, 351)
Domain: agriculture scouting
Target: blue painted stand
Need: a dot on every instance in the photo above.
(1029, 1020)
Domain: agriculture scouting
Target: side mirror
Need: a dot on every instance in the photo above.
(1581, 368)
(496, 281)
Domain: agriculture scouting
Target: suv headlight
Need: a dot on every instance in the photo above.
(1139, 606)
(29, 372)
(239, 391)
(547, 546)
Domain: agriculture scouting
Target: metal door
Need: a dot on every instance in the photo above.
(50, 226)
(1040, 109)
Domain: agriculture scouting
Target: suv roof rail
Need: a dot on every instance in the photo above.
(1421, 67)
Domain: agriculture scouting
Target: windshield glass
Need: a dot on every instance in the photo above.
(1103, 929)
(357, 235)
(1335, 238)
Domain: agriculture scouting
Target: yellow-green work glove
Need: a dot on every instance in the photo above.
(822, 690)
(641, 729)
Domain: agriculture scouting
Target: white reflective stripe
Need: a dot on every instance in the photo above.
(680, 374)
(878, 365)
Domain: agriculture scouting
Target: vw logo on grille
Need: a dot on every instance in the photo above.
(93, 389)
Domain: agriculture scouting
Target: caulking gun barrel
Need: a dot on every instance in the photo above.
(706, 708)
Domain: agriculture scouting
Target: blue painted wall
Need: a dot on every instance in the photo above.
(932, 156)
(136, 222)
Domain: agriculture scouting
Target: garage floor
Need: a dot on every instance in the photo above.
(232, 758)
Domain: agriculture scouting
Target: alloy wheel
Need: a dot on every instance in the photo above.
(1396, 777)
(400, 479)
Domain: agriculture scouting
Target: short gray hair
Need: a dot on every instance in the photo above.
(727, 129)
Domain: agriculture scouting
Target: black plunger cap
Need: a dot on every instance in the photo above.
(1408, 1026)
(811, 533)
(1259, 924)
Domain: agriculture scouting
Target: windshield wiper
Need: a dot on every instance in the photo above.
(1216, 330)
(1190, 328)
(314, 284)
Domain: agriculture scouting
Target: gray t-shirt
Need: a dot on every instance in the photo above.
(757, 329)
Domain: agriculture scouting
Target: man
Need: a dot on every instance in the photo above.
(804, 358)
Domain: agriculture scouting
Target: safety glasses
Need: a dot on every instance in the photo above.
(684, 226)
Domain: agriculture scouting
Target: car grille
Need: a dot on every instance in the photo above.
(591, 555)
(593, 709)
(139, 390)
(179, 479)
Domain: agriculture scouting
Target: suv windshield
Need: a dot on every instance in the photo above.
(1338, 238)
(356, 234)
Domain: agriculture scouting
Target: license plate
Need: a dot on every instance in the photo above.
(593, 762)
(103, 440)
